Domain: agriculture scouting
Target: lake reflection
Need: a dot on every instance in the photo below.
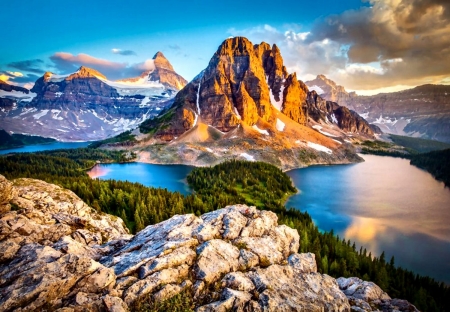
(382, 204)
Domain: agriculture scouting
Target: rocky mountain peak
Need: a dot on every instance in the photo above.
(86, 72)
(242, 83)
(161, 62)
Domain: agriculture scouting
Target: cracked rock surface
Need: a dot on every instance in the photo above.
(60, 254)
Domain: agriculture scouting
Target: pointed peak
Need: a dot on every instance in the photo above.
(159, 54)
(160, 61)
(86, 72)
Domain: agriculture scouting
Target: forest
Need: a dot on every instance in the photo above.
(8, 141)
(437, 163)
(232, 182)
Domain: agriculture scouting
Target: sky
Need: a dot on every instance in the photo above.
(368, 46)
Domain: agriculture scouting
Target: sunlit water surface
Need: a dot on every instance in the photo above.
(382, 204)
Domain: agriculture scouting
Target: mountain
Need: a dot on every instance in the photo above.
(60, 254)
(85, 105)
(162, 72)
(246, 104)
(423, 111)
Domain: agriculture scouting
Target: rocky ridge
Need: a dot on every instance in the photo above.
(423, 111)
(85, 105)
(246, 105)
(244, 84)
(61, 255)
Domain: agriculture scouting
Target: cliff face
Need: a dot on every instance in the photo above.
(242, 83)
(347, 120)
(423, 111)
(59, 253)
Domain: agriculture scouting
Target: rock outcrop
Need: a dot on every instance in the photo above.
(59, 254)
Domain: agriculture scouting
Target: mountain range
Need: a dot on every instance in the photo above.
(423, 111)
(245, 104)
(85, 105)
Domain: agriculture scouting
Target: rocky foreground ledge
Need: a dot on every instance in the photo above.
(58, 254)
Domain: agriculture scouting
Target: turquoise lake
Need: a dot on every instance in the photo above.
(44, 147)
(383, 203)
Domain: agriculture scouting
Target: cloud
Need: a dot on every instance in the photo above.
(393, 42)
(66, 63)
(34, 66)
(18, 78)
(175, 47)
(123, 52)
(14, 74)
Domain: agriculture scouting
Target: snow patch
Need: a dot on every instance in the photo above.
(237, 113)
(40, 114)
(209, 150)
(55, 114)
(364, 115)
(265, 132)
(280, 125)
(319, 128)
(198, 96)
(334, 119)
(316, 88)
(145, 102)
(195, 120)
(319, 148)
(248, 156)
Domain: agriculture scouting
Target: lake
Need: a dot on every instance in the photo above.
(171, 177)
(381, 204)
(44, 147)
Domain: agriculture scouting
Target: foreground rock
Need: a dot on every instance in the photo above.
(58, 253)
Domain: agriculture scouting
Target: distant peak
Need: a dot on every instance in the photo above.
(159, 54)
(86, 72)
(160, 61)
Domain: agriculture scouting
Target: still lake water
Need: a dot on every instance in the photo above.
(44, 147)
(171, 177)
(382, 204)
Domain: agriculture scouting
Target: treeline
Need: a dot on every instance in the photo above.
(419, 145)
(126, 136)
(437, 163)
(18, 140)
(233, 182)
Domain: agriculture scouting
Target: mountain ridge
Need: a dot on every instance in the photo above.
(85, 105)
(422, 111)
